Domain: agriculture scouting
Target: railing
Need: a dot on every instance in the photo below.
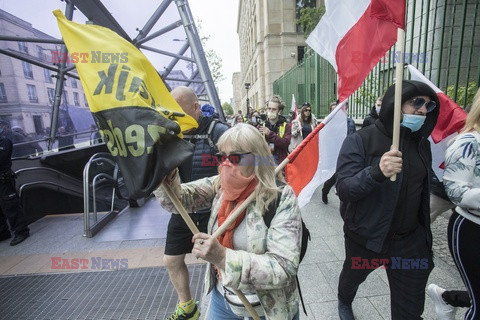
(100, 171)
(59, 175)
(441, 41)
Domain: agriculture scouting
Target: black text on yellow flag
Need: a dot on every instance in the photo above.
(139, 119)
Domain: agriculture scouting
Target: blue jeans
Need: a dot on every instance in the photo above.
(220, 310)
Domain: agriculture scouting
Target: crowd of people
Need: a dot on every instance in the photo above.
(383, 217)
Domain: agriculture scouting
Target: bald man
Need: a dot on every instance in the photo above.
(201, 165)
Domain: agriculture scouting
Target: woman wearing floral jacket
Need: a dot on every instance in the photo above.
(462, 184)
(261, 262)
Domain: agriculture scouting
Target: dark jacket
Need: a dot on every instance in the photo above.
(6, 149)
(351, 127)
(368, 199)
(280, 143)
(370, 118)
(202, 164)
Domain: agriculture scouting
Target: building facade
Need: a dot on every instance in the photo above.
(270, 44)
(27, 91)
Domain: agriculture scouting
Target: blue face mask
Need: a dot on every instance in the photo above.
(413, 122)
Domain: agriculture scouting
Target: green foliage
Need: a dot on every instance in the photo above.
(215, 63)
(309, 18)
(367, 93)
(470, 91)
(227, 108)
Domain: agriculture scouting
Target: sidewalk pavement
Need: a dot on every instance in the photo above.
(320, 269)
(139, 235)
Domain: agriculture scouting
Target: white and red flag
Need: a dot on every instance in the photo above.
(450, 121)
(294, 107)
(314, 161)
(353, 35)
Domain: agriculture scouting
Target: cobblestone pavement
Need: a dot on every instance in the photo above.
(320, 269)
(440, 239)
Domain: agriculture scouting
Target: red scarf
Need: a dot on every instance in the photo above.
(236, 188)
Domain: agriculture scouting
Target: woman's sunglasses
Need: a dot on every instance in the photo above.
(233, 158)
(420, 102)
(309, 110)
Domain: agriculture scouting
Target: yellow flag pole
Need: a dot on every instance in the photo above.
(193, 228)
(398, 93)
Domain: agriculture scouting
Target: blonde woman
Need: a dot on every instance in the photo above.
(260, 261)
(462, 184)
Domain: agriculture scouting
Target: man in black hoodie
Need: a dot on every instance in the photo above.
(388, 223)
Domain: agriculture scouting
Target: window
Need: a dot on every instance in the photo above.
(22, 47)
(41, 53)
(65, 97)
(74, 83)
(3, 93)
(32, 93)
(85, 99)
(27, 70)
(48, 75)
(75, 99)
(37, 122)
(51, 95)
(299, 5)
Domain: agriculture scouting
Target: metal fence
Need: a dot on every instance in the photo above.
(442, 40)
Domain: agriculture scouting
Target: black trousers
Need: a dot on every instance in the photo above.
(10, 209)
(463, 236)
(408, 263)
(329, 183)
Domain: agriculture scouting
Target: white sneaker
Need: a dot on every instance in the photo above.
(444, 310)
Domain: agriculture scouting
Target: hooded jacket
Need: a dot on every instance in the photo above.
(369, 200)
(370, 118)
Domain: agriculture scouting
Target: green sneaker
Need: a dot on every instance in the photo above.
(180, 314)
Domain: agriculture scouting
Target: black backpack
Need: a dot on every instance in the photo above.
(268, 217)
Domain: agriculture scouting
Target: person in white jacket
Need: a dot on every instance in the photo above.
(462, 184)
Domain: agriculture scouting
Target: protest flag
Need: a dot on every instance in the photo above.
(353, 35)
(136, 115)
(314, 161)
(451, 120)
(294, 107)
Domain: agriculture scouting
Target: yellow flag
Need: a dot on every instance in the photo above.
(138, 118)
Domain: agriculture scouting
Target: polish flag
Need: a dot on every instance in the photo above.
(450, 121)
(353, 35)
(294, 107)
(314, 161)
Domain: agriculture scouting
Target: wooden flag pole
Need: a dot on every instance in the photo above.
(398, 93)
(193, 228)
